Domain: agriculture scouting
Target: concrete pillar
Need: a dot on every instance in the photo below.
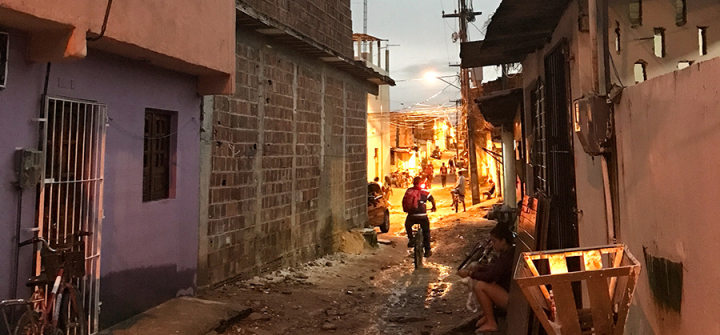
(205, 159)
(508, 148)
(370, 53)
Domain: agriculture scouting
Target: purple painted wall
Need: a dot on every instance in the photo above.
(149, 250)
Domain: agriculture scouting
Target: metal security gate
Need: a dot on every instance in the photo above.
(560, 161)
(71, 193)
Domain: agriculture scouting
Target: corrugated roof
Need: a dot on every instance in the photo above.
(251, 19)
(518, 28)
(500, 108)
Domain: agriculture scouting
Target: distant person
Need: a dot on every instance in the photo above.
(459, 188)
(387, 188)
(429, 171)
(414, 203)
(493, 280)
(374, 186)
(488, 193)
(451, 164)
(443, 174)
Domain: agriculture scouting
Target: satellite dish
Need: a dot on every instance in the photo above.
(455, 37)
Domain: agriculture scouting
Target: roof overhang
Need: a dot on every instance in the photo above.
(500, 108)
(249, 18)
(518, 28)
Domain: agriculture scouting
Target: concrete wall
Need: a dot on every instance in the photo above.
(588, 174)
(327, 22)
(667, 131)
(288, 167)
(183, 35)
(681, 41)
(149, 249)
(378, 134)
(406, 136)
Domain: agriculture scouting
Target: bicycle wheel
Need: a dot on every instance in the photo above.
(28, 324)
(419, 252)
(456, 203)
(71, 319)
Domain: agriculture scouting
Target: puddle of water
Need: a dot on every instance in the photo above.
(440, 288)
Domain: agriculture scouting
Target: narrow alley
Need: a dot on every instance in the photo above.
(375, 292)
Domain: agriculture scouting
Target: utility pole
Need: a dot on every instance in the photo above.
(465, 14)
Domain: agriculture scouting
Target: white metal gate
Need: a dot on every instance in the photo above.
(71, 192)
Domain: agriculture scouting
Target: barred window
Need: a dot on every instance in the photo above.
(156, 155)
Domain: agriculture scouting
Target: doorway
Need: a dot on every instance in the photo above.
(560, 163)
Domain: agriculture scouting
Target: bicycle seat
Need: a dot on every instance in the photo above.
(40, 280)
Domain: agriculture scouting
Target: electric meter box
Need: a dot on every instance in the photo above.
(28, 167)
(592, 123)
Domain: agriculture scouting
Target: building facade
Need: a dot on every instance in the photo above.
(662, 58)
(110, 118)
(378, 126)
(285, 161)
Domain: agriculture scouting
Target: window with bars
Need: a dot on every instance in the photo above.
(156, 155)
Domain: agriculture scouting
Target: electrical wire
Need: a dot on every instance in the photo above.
(617, 75)
(143, 137)
(104, 25)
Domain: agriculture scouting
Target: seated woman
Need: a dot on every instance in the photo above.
(493, 280)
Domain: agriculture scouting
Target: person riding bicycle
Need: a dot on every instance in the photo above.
(414, 203)
(459, 188)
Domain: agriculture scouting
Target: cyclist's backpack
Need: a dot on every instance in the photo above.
(414, 201)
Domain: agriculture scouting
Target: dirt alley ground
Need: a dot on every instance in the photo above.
(376, 292)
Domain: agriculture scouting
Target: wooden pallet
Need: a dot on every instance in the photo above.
(609, 273)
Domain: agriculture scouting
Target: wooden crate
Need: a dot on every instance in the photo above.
(609, 273)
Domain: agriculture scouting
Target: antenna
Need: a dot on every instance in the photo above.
(364, 24)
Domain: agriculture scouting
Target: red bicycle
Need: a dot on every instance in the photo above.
(59, 311)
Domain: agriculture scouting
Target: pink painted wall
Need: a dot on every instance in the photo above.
(193, 37)
(681, 41)
(668, 130)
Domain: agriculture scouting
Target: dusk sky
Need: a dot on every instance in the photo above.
(425, 45)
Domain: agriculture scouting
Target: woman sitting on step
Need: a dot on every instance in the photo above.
(493, 280)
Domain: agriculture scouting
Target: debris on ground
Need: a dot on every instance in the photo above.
(365, 290)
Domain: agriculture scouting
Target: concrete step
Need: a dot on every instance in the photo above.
(181, 316)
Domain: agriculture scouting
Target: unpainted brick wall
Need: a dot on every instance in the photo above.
(328, 22)
(288, 164)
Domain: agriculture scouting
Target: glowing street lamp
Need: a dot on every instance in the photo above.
(432, 75)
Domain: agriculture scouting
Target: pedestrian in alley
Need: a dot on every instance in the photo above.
(388, 186)
(459, 188)
(414, 204)
(493, 280)
(443, 174)
(451, 165)
(429, 172)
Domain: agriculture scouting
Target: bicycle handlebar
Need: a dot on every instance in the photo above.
(46, 244)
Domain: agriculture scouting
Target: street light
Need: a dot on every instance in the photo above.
(432, 75)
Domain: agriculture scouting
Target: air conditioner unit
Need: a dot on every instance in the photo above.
(592, 124)
(4, 51)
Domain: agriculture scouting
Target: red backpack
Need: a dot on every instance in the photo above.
(414, 201)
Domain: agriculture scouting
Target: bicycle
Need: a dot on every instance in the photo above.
(5, 304)
(58, 312)
(418, 252)
(456, 201)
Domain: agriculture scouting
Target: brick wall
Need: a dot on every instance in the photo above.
(288, 163)
(328, 22)
(356, 153)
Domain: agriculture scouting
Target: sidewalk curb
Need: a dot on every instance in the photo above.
(182, 316)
